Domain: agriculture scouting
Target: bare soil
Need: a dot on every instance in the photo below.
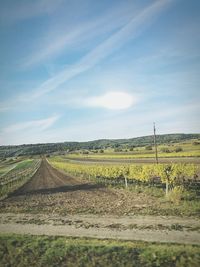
(52, 191)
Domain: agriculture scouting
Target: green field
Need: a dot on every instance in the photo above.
(188, 148)
(25, 250)
(14, 173)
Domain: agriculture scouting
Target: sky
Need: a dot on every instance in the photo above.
(74, 70)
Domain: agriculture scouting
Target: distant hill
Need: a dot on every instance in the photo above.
(38, 149)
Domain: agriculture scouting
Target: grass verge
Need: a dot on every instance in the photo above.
(26, 250)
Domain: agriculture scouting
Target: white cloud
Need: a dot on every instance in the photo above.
(31, 125)
(112, 100)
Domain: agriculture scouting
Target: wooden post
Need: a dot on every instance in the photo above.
(126, 183)
(167, 187)
(155, 143)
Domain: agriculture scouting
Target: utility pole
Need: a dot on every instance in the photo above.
(155, 143)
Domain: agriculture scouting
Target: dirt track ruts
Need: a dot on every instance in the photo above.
(146, 228)
(46, 178)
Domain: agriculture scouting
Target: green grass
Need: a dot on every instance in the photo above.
(24, 164)
(25, 250)
(6, 168)
(14, 165)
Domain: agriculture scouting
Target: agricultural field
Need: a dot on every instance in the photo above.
(153, 209)
(16, 172)
(99, 133)
(189, 150)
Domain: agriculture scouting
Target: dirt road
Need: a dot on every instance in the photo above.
(146, 228)
(44, 179)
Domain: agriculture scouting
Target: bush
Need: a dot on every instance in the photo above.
(85, 152)
(118, 150)
(176, 194)
(195, 143)
(148, 147)
(165, 150)
(178, 149)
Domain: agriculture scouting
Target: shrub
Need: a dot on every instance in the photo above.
(165, 150)
(148, 147)
(178, 149)
(175, 195)
(118, 150)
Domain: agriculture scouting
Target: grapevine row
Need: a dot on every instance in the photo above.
(172, 173)
(14, 179)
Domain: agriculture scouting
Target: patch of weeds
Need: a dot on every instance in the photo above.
(177, 227)
(148, 190)
(115, 226)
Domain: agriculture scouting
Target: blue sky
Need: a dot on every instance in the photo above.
(74, 70)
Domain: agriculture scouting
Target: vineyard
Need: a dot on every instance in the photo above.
(138, 154)
(17, 176)
(152, 174)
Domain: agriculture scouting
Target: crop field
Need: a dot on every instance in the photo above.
(57, 196)
(18, 173)
(187, 149)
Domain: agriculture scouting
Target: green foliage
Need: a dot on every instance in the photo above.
(172, 173)
(23, 251)
(24, 164)
(178, 149)
(17, 176)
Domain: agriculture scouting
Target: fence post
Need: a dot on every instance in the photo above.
(126, 183)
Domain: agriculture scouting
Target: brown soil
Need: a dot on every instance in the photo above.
(45, 178)
(50, 190)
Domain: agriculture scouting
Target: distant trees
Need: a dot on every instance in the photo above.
(118, 150)
(196, 143)
(178, 149)
(165, 150)
(148, 147)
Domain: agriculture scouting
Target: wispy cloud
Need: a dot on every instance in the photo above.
(129, 31)
(58, 39)
(128, 125)
(31, 125)
(21, 10)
